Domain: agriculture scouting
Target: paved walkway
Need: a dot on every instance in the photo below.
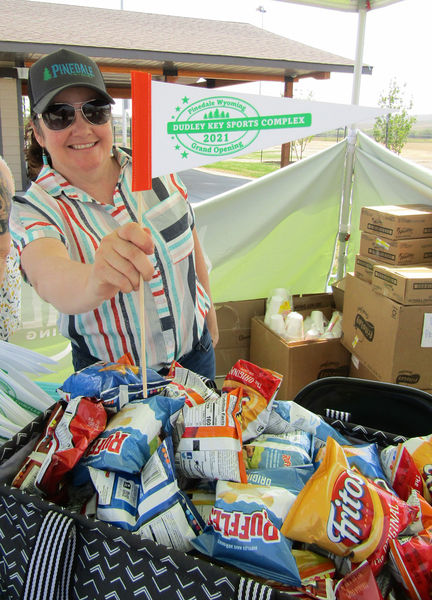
(202, 185)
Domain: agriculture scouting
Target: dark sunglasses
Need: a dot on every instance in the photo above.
(62, 115)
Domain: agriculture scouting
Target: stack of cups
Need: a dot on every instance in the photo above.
(294, 327)
(318, 321)
(277, 324)
(273, 305)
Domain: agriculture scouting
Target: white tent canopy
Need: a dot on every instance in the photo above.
(361, 7)
(345, 5)
(290, 240)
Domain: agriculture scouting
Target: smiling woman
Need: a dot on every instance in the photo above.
(81, 245)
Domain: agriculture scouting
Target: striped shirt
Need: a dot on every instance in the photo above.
(175, 302)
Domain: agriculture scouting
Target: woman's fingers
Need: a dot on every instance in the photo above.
(137, 235)
(122, 258)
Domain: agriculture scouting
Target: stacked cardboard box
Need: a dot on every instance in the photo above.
(387, 318)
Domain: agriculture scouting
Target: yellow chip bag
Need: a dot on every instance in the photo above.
(345, 513)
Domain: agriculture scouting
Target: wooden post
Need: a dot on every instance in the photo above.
(286, 148)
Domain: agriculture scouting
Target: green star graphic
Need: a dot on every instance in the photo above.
(184, 154)
(185, 100)
(177, 108)
(177, 147)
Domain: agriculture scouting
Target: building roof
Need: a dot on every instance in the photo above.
(196, 51)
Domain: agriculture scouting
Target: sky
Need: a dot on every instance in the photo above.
(397, 42)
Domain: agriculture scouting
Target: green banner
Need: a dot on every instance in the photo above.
(256, 123)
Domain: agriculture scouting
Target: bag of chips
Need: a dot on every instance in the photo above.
(291, 449)
(287, 415)
(115, 384)
(82, 421)
(211, 445)
(243, 530)
(132, 435)
(346, 513)
(259, 387)
(411, 559)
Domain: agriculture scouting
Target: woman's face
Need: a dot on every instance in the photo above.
(81, 148)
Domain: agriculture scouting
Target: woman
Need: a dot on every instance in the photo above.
(10, 279)
(79, 241)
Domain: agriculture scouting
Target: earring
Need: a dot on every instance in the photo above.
(45, 158)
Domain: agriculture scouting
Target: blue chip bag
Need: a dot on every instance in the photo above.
(115, 384)
(288, 415)
(290, 478)
(244, 531)
(165, 514)
(291, 449)
(365, 458)
(132, 435)
(117, 497)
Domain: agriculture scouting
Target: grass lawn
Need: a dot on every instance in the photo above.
(244, 168)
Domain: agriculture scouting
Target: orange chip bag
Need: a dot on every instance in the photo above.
(345, 513)
(259, 387)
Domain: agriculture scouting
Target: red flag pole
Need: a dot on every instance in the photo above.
(141, 174)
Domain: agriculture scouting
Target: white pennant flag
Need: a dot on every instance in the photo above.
(192, 127)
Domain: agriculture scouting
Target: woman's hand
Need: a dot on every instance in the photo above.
(121, 259)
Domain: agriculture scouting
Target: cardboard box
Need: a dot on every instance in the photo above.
(359, 371)
(302, 362)
(397, 222)
(396, 252)
(393, 341)
(363, 267)
(338, 289)
(407, 285)
(234, 322)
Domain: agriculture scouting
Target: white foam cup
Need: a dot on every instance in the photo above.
(277, 324)
(294, 326)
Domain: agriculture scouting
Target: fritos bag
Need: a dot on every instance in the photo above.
(345, 513)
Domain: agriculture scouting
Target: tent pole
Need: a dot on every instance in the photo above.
(344, 221)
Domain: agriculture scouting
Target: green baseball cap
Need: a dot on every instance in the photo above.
(60, 70)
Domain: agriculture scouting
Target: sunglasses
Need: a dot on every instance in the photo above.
(61, 115)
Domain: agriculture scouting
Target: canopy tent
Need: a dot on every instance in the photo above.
(345, 5)
(288, 242)
(291, 243)
(361, 7)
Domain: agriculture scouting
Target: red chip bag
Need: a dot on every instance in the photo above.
(360, 584)
(411, 559)
(420, 449)
(401, 471)
(346, 513)
(82, 421)
(26, 476)
(259, 387)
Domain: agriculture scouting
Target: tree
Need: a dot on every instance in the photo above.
(393, 129)
(299, 146)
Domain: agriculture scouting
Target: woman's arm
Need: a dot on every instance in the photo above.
(202, 274)
(73, 287)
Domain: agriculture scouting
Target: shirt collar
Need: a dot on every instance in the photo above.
(55, 184)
